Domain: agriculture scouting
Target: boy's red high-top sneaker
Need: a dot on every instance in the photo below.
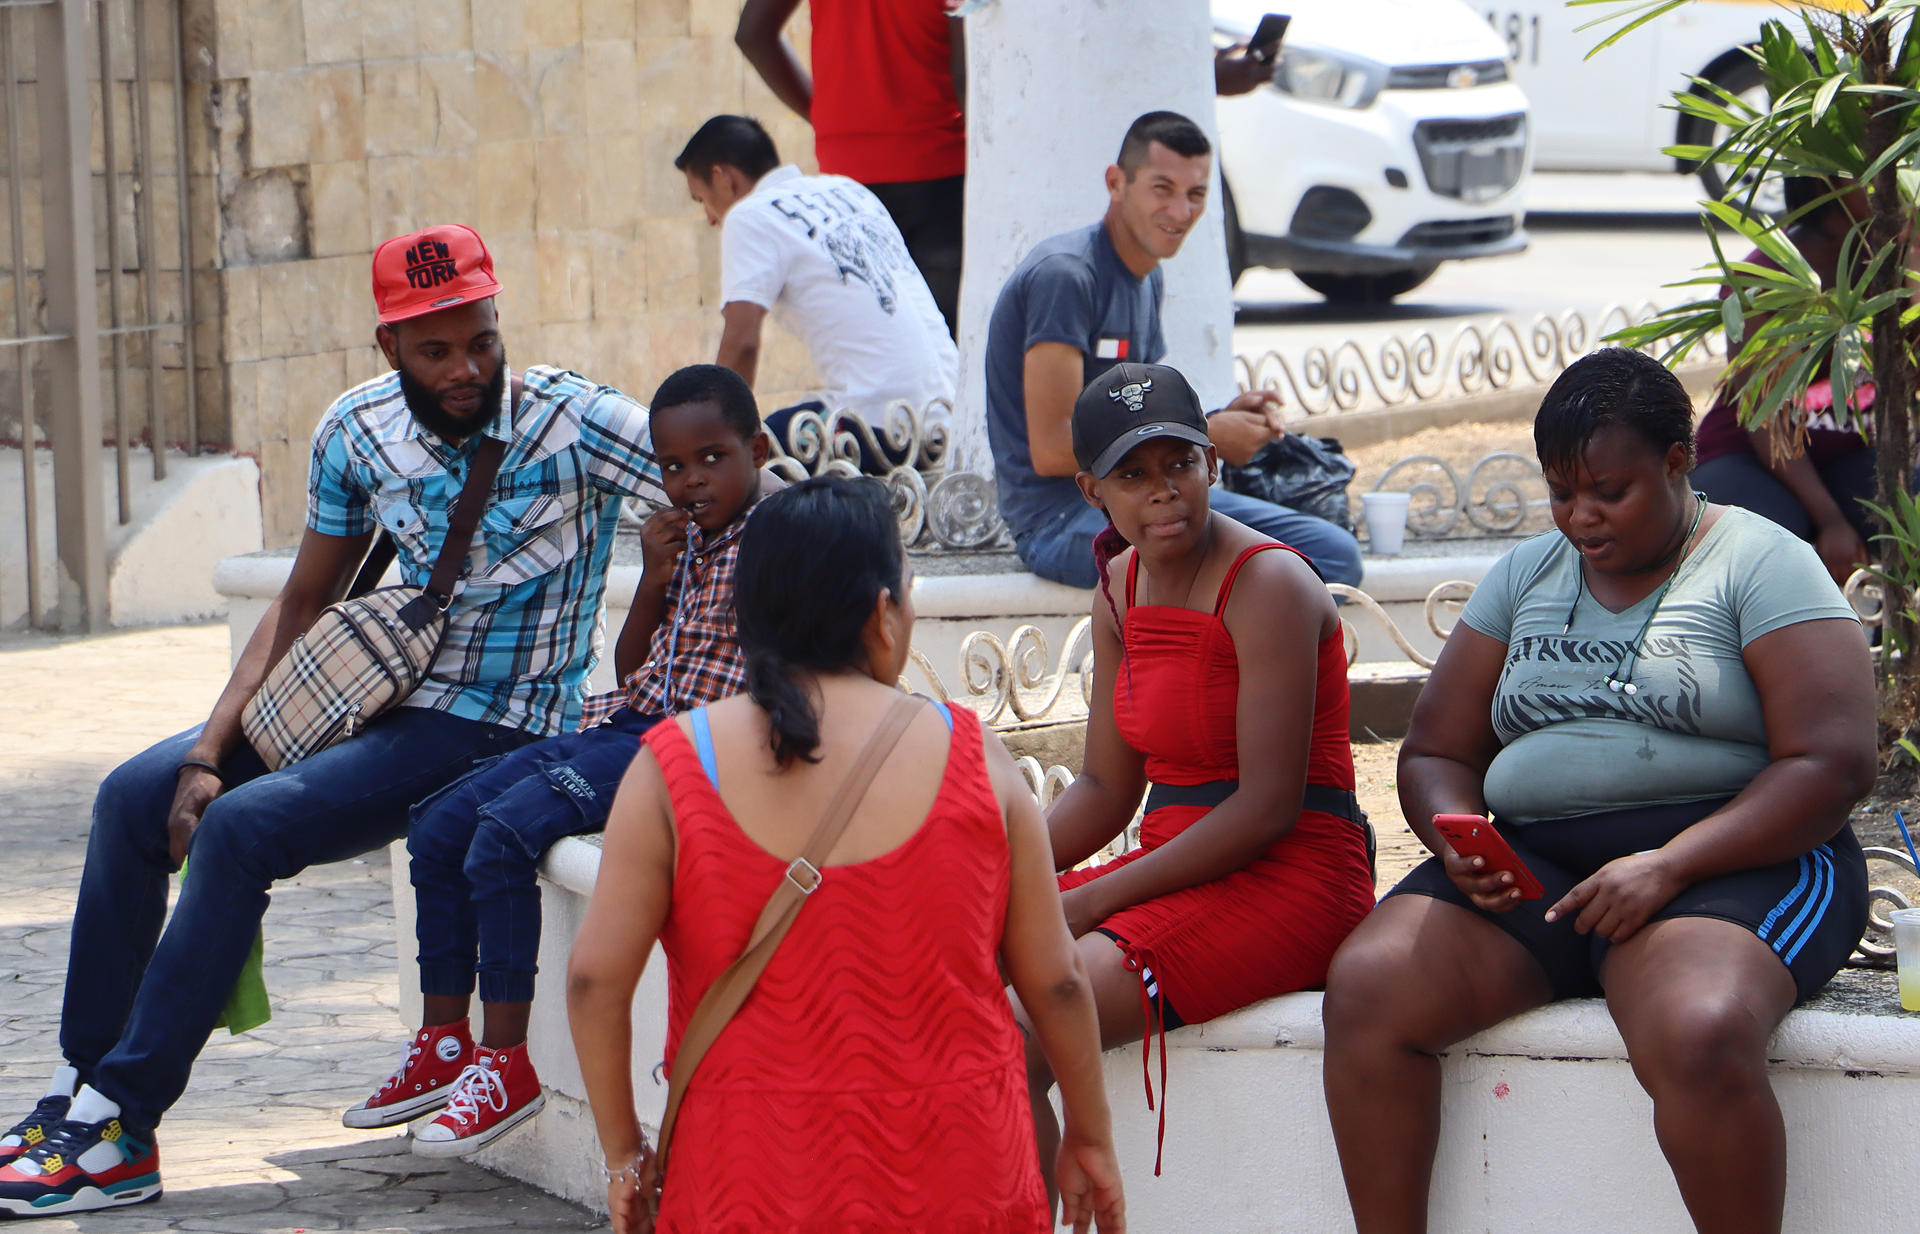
(435, 1058)
(492, 1097)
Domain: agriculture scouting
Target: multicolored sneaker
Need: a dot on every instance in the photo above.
(492, 1097)
(436, 1058)
(35, 1127)
(83, 1163)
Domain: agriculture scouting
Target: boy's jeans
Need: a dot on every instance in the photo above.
(140, 1003)
(476, 847)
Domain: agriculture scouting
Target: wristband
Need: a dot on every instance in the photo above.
(203, 765)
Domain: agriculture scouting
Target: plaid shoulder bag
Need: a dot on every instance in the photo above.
(363, 656)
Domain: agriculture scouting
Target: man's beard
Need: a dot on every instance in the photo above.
(435, 418)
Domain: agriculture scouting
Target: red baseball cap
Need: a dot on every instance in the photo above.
(431, 270)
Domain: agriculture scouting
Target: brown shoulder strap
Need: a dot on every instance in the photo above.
(466, 516)
(730, 989)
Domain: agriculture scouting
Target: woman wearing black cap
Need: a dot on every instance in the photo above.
(1220, 692)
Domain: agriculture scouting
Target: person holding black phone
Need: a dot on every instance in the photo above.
(1668, 709)
(1243, 67)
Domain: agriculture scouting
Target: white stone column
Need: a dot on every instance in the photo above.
(1052, 86)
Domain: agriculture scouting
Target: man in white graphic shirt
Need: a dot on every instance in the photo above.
(824, 256)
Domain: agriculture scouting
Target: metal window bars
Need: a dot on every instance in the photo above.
(106, 75)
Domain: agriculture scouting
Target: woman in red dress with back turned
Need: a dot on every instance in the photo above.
(1220, 690)
(872, 1080)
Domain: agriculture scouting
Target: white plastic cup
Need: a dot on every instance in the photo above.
(1386, 521)
(1906, 944)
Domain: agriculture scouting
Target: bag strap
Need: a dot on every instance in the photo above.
(379, 557)
(467, 509)
(730, 989)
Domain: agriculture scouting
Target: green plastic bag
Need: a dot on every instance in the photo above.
(247, 1007)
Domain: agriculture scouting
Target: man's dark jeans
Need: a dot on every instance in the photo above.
(140, 1003)
(1061, 547)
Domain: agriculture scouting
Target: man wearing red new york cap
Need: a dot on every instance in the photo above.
(389, 456)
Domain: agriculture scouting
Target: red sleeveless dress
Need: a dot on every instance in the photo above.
(874, 1080)
(1272, 927)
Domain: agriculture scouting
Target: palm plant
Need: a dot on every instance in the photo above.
(1844, 82)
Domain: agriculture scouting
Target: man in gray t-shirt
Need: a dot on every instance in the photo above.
(1084, 301)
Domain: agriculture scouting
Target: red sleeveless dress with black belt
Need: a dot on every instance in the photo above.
(874, 1079)
(1272, 927)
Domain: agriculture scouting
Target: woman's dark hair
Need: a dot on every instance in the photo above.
(813, 559)
(1106, 546)
(1612, 386)
(1802, 191)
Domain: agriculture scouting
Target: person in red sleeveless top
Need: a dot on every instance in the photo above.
(872, 1080)
(1220, 692)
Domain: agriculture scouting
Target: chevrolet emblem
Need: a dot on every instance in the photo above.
(1464, 77)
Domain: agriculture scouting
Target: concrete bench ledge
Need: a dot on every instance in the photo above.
(1545, 1127)
(956, 594)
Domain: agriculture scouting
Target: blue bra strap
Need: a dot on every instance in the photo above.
(703, 745)
(946, 713)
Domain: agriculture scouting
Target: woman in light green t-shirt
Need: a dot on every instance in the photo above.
(1668, 709)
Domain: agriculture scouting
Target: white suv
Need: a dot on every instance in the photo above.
(1391, 138)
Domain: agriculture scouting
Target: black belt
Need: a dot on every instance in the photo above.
(1320, 798)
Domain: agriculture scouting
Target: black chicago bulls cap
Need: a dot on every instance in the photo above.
(1129, 404)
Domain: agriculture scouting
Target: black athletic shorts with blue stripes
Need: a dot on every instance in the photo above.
(1810, 911)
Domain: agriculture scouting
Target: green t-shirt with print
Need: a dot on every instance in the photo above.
(1693, 729)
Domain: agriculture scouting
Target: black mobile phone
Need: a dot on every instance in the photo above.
(1265, 43)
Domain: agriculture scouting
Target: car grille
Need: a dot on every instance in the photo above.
(1447, 76)
(1458, 233)
(1473, 160)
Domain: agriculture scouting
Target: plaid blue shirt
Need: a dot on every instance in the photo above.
(525, 626)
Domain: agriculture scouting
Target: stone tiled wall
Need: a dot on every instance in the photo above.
(549, 125)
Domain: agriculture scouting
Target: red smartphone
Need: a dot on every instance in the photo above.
(1473, 836)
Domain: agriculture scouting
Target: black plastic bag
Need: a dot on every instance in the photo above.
(1308, 474)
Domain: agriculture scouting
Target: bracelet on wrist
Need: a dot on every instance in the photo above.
(630, 1173)
(203, 765)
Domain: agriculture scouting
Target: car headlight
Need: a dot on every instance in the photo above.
(1323, 77)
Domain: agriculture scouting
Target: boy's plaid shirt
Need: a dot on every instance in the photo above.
(695, 655)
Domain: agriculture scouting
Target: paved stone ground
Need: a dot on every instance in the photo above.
(256, 1145)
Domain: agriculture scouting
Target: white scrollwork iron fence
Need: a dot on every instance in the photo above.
(1876, 945)
(1018, 680)
(1479, 358)
(1503, 493)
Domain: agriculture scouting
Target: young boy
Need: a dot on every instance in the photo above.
(476, 844)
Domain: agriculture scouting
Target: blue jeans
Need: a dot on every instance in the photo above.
(1061, 548)
(140, 1003)
(476, 845)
